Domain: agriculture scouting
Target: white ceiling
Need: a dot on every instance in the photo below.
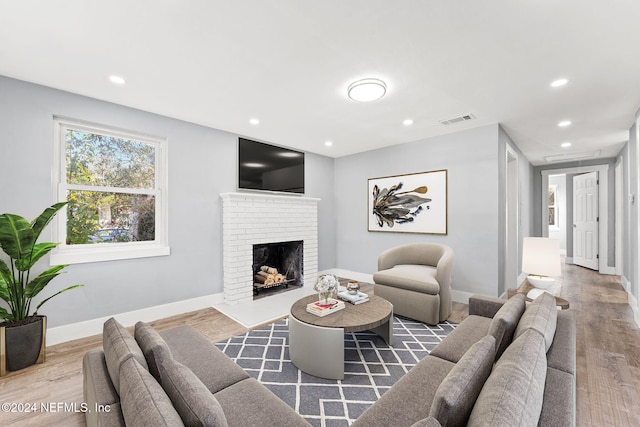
(289, 62)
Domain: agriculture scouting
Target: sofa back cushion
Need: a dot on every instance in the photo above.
(542, 316)
(458, 392)
(514, 392)
(505, 322)
(143, 401)
(154, 348)
(119, 345)
(194, 402)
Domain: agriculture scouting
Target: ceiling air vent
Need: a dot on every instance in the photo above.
(458, 119)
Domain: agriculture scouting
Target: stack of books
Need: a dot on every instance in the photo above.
(319, 308)
(358, 298)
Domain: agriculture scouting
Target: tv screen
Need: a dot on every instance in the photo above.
(267, 167)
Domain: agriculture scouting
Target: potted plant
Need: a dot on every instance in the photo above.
(22, 334)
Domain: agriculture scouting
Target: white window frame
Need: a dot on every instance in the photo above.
(75, 254)
(555, 208)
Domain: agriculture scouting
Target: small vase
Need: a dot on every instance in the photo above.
(324, 297)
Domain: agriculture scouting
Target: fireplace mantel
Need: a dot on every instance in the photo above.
(257, 218)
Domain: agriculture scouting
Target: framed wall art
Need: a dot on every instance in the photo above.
(412, 203)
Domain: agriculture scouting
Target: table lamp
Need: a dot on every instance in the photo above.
(541, 259)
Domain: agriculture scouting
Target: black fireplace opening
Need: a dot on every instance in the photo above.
(277, 267)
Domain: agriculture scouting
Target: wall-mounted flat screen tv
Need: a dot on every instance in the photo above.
(267, 167)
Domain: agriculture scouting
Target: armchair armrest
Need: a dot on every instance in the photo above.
(484, 306)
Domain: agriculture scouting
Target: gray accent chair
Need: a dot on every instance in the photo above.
(416, 279)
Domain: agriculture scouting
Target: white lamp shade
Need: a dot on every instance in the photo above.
(541, 256)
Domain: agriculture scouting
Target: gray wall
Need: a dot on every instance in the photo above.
(537, 202)
(471, 158)
(202, 164)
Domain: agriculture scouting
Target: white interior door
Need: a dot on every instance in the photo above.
(585, 220)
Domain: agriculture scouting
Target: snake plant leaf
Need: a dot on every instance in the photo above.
(36, 285)
(45, 218)
(16, 236)
(39, 250)
(56, 294)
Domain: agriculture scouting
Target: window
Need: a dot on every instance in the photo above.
(115, 183)
(553, 209)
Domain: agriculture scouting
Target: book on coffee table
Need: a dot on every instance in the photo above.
(358, 298)
(320, 309)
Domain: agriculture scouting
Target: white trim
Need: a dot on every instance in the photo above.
(633, 303)
(625, 283)
(521, 278)
(75, 254)
(603, 205)
(568, 260)
(620, 228)
(60, 334)
(461, 296)
(512, 216)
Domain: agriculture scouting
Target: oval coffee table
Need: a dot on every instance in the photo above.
(316, 344)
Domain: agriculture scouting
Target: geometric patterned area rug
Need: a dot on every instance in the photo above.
(371, 368)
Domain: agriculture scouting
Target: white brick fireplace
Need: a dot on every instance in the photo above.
(253, 218)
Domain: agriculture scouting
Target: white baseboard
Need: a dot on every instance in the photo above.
(607, 270)
(633, 303)
(60, 334)
(568, 260)
(625, 283)
(461, 296)
(521, 278)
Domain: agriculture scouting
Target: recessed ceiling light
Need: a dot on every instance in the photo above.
(564, 123)
(565, 144)
(254, 165)
(407, 122)
(116, 80)
(254, 121)
(328, 143)
(366, 90)
(559, 82)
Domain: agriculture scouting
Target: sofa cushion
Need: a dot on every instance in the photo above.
(211, 366)
(458, 392)
(409, 400)
(505, 321)
(119, 345)
(426, 422)
(467, 333)
(562, 353)
(542, 316)
(513, 393)
(143, 401)
(154, 348)
(419, 278)
(559, 399)
(193, 401)
(249, 403)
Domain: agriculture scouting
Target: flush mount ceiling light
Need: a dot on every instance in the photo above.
(559, 82)
(366, 90)
(254, 121)
(565, 144)
(407, 122)
(564, 123)
(328, 143)
(116, 80)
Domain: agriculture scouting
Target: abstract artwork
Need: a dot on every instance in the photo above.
(412, 203)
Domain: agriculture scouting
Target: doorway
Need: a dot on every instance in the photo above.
(585, 220)
(603, 211)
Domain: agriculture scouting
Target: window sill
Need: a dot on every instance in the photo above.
(94, 254)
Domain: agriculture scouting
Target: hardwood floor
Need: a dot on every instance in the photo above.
(608, 358)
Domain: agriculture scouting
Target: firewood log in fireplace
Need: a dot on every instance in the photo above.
(269, 270)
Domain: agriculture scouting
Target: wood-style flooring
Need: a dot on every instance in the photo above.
(608, 358)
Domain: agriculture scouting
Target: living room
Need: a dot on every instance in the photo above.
(201, 158)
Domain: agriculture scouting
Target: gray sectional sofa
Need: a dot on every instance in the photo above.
(506, 364)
